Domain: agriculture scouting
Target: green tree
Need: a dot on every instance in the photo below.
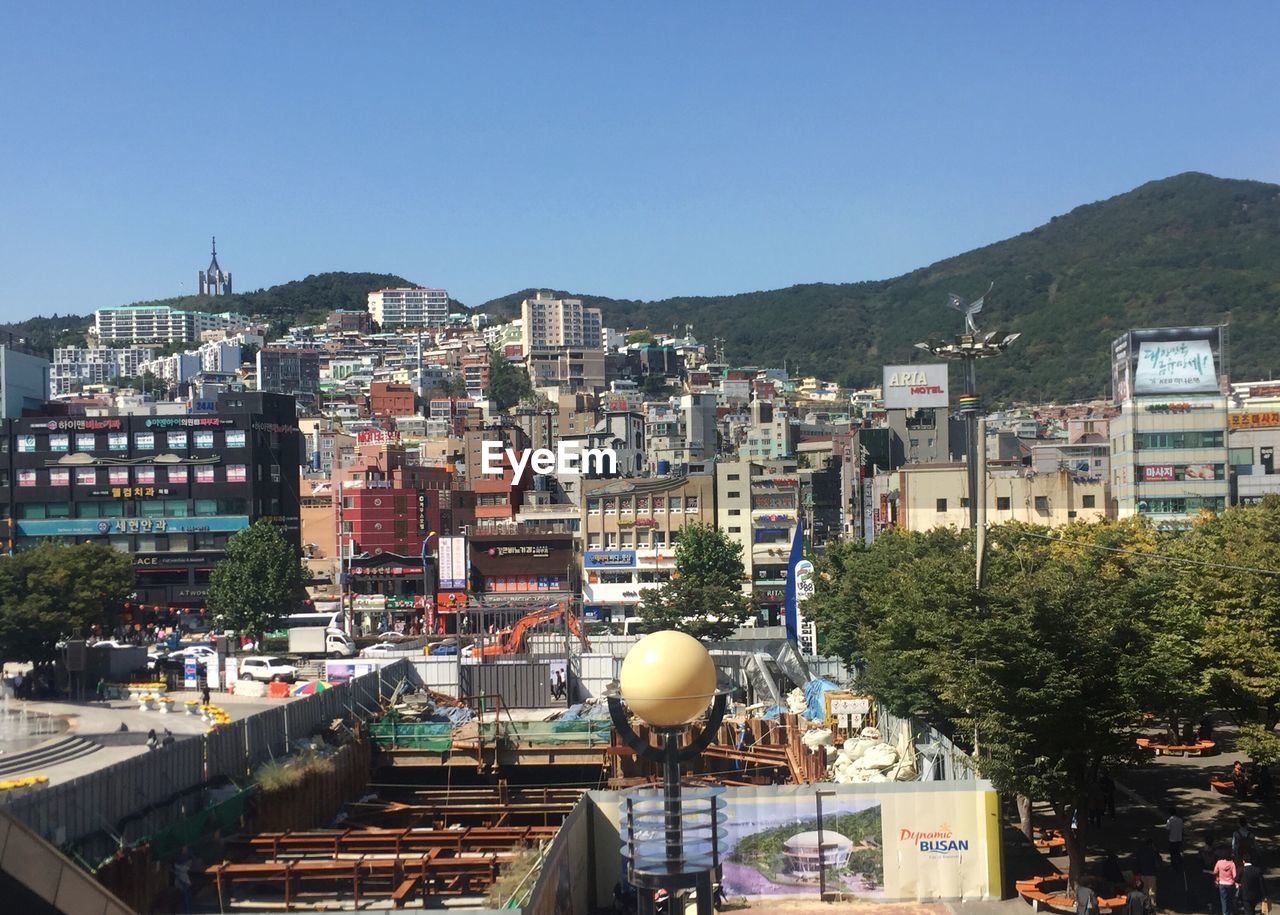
(644, 335)
(704, 597)
(258, 579)
(56, 590)
(1045, 672)
(508, 382)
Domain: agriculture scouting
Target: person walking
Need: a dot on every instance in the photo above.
(182, 876)
(1224, 877)
(204, 694)
(1086, 900)
(102, 689)
(1241, 843)
(1138, 902)
(1253, 891)
(1175, 825)
(1146, 861)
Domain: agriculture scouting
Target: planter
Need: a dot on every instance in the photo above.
(193, 707)
(166, 706)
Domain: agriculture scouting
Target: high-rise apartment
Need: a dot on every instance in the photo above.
(409, 307)
(548, 322)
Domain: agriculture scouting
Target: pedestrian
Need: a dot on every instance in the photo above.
(182, 876)
(1208, 856)
(1146, 860)
(1086, 900)
(1108, 787)
(1253, 889)
(204, 695)
(1138, 902)
(1175, 826)
(1224, 877)
(1239, 780)
(152, 740)
(1241, 843)
(1112, 872)
(1206, 728)
(102, 689)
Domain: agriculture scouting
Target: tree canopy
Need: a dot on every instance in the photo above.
(55, 591)
(258, 579)
(704, 597)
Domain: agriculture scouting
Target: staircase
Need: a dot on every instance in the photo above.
(34, 760)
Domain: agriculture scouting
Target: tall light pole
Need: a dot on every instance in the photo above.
(967, 349)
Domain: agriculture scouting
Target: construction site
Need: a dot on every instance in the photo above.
(429, 779)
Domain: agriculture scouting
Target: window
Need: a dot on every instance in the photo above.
(732, 477)
(626, 542)
(642, 503)
(659, 538)
(691, 504)
(625, 505)
(203, 439)
(178, 440)
(118, 476)
(735, 530)
(144, 441)
(144, 475)
(737, 494)
(593, 506)
(235, 438)
(206, 506)
(1042, 503)
(1238, 457)
(177, 474)
(1211, 439)
(1087, 501)
(610, 507)
(611, 540)
(735, 511)
(59, 441)
(86, 476)
(675, 503)
(593, 541)
(1002, 503)
(59, 477)
(86, 441)
(26, 444)
(236, 473)
(659, 503)
(942, 505)
(204, 474)
(118, 441)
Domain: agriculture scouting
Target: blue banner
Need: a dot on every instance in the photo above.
(797, 554)
(99, 527)
(609, 559)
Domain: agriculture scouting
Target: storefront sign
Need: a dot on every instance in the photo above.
(85, 424)
(166, 422)
(1153, 473)
(453, 563)
(609, 559)
(1181, 407)
(97, 527)
(540, 550)
(1266, 420)
(369, 602)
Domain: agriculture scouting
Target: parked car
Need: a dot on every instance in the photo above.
(266, 669)
(383, 649)
(110, 643)
(177, 660)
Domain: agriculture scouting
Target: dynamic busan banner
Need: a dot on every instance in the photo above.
(884, 842)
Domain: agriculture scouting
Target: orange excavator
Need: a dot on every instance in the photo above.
(511, 641)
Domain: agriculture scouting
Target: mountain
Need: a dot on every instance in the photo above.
(1191, 249)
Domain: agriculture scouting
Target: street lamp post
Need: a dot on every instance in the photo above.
(668, 680)
(967, 349)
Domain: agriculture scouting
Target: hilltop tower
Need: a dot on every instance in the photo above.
(213, 281)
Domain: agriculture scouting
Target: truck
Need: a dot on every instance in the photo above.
(320, 641)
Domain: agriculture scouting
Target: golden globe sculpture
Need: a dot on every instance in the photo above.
(668, 679)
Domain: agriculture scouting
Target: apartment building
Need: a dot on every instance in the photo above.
(409, 307)
(76, 366)
(758, 506)
(928, 496)
(291, 370)
(159, 324)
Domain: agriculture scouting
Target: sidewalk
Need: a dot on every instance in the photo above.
(1144, 796)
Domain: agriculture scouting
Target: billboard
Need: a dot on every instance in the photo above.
(453, 563)
(1167, 360)
(907, 387)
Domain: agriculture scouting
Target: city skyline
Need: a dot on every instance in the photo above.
(868, 143)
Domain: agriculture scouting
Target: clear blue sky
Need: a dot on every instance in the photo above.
(638, 150)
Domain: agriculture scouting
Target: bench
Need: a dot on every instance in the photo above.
(1199, 748)
(1034, 891)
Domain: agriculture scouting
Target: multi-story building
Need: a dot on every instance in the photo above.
(758, 506)
(347, 321)
(927, 496)
(1169, 442)
(24, 381)
(387, 399)
(1253, 439)
(159, 324)
(390, 308)
(548, 322)
(166, 489)
(629, 530)
(291, 370)
(76, 366)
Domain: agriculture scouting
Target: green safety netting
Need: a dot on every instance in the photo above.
(436, 736)
(195, 829)
(532, 733)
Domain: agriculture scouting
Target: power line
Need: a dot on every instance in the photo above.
(1164, 557)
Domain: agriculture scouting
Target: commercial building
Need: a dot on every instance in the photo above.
(629, 529)
(1253, 439)
(390, 308)
(921, 497)
(548, 322)
(916, 399)
(168, 490)
(159, 324)
(758, 506)
(1169, 442)
(290, 370)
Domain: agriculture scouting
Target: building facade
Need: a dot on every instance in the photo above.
(24, 381)
(169, 490)
(292, 371)
(548, 322)
(409, 307)
(159, 324)
(76, 366)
